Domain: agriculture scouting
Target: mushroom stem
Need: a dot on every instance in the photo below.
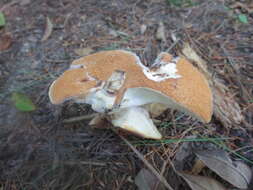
(135, 120)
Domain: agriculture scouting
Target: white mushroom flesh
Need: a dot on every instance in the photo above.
(102, 98)
(135, 120)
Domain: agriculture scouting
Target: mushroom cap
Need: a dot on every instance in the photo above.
(173, 82)
(71, 84)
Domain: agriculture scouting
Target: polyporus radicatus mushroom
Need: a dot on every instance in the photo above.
(117, 82)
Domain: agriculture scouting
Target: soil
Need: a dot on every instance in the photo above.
(39, 151)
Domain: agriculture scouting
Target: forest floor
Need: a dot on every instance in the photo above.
(42, 37)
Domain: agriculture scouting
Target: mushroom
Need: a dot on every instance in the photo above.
(118, 84)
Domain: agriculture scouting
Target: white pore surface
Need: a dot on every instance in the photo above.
(137, 121)
(141, 96)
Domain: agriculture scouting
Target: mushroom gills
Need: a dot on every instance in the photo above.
(135, 120)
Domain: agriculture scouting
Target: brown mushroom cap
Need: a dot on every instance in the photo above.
(190, 91)
(72, 83)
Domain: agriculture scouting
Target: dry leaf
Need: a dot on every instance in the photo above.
(226, 109)
(146, 180)
(83, 51)
(198, 167)
(160, 33)
(201, 182)
(192, 55)
(5, 42)
(236, 173)
(48, 30)
(185, 150)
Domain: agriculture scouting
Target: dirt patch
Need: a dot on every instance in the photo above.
(38, 151)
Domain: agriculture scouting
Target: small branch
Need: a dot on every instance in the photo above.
(79, 118)
(87, 117)
(86, 163)
(159, 176)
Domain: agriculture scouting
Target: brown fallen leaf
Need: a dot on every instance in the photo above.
(48, 30)
(5, 42)
(201, 182)
(237, 173)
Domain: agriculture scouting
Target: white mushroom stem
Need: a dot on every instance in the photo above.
(135, 120)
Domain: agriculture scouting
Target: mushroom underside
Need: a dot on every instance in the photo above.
(133, 113)
(150, 98)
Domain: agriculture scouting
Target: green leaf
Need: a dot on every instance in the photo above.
(22, 102)
(243, 18)
(2, 19)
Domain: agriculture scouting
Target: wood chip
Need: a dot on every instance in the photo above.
(5, 42)
(160, 33)
(48, 30)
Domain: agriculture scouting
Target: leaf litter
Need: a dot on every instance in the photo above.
(237, 173)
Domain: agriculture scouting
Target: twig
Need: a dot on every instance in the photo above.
(160, 177)
(79, 118)
(168, 160)
(86, 163)
(172, 46)
(87, 117)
